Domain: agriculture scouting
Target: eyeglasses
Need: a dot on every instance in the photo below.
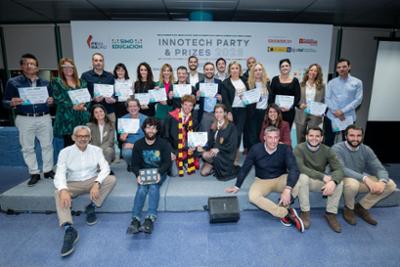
(82, 136)
(67, 66)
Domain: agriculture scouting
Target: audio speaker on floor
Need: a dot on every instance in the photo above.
(223, 209)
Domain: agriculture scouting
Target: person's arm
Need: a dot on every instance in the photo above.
(340, 153)
(244, 171)
(271, 95)
(60, 179)
(10, 93)
(357, 99)
(300, 158)
(375, 166)
(136, 159)
(293, 172)
(328, 97)
(285, 134)
(226, 100)
(165, 158)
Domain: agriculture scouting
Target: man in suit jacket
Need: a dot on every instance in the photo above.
(194, 75)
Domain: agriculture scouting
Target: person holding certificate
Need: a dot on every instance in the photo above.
(312, 90)
(129, 139)
(143, 84)
(101, 79)
(285, 85)
(103, 131)
(123, 88)
(231, 98)
(273, 117)
(32, 120)
(219, 154)
(68, 114)
(182, 74)
(177, 125)
(166, 82)
(258, 79)
(208, 102)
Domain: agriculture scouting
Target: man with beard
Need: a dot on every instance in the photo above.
(194, 76)
(207, 104)
(312, 159)
(149, 152)
(363, 173)
(221, 74)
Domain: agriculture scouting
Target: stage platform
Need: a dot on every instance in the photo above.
(189, 193)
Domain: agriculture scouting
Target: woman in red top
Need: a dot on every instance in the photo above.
(273, 116)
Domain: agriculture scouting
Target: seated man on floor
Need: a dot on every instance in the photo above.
(363, 173)
(177, 124)
(150, 152)
(276, 171)
(77, 173)
(312, 159)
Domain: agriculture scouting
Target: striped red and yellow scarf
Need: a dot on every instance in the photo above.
(182, 152)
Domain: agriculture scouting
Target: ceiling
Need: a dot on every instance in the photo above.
(374, 13)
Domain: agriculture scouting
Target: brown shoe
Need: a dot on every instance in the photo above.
(333, 222)
(364, 214)
(305, 216)
(348, 216)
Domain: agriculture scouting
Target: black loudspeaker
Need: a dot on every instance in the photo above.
(223, 209)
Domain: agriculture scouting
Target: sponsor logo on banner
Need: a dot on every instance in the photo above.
(126, 43)
(94, 44)
(279, 41)
(311, 42)
(288, 49)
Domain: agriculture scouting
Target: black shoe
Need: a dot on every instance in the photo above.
(91, 218)
(111, 172)
(70, 238)
(34, 179)
(147, 226)
(49, 175)
(134, 227)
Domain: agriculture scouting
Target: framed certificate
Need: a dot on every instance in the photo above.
(123, 90)
(196, 139)
(251, 96)
(208, 89)
(128, 125)
(144, 98)
(182, 89)
(33, 95)
(78, 96)
(284, 101)
(106, 90)
(158, 95)
(316, 108)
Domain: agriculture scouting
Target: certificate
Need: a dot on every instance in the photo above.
(338, 125)
(33, 95)
(158, 95)
(128, 125)
(316, 108)
(78, 96)
(284, 101)
(196, 139)
(182, 89)
(123, 90)
(251, 96)
(237, 102)
(106, 90)
(208, 89)
(144, 98)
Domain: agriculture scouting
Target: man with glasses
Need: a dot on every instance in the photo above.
(81, 168)
(32, 120)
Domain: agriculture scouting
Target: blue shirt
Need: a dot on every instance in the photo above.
(12, 91)
(92, 77)
(345, 95)
(132, 138)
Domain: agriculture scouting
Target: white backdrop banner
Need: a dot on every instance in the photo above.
(156, 43)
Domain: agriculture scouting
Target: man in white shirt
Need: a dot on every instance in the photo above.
(194, 75)
(77, 173)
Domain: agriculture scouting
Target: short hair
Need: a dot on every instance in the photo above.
(188, 98)
(343, 60)
(193, 57)
(353, 127)
(271, 129)
(315, 128)
(151, 121)
(208, 63)
(28, 56)
(132, 99)
(121, 66)
(98, 54)
(181, 68)
(284, 60)
(81, 127)
(219, 59)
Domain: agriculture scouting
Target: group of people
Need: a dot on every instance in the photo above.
(161, 142)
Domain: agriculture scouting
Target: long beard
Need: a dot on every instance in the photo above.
(354, 146)
(150, 137)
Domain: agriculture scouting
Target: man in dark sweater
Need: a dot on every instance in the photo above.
(276, 171)
(312, 159)
(149, 152)
(363, 173)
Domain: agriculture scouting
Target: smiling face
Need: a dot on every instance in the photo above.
(150, 132)
(271, 139)
(98, 62)
(182, 75)
(209, 71)
(143, 73)
(193, 63)
(221, 66)
(314, 138)
(343, 69)
(234, 71)
(120, 73)
(258, 72)
(285, 68)
(219, 114)
(99, 114)
(187, 107)
(82, 138)
(251, 61)
(166, 73)
(312, 73)
(354, 137)
(29, 67)
(68, 69)
(133, 108)
(272, 115)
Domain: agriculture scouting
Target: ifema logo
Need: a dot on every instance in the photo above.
(129, 43)
(94, 44)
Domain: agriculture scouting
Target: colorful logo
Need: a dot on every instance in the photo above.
(311, 42)
(94, 44)
(279, 41)
(130, 43)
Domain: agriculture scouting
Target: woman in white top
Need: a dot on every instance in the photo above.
(258, 78)
(102, 129)
(312, 90)
(122, 82)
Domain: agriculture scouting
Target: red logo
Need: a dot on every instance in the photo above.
(89, 40)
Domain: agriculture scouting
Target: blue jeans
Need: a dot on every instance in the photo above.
(127, 155)
(153, 190)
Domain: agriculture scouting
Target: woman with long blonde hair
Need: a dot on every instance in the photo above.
(166, 81)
